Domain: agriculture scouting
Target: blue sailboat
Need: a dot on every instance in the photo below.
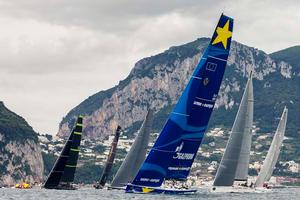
(174, 151)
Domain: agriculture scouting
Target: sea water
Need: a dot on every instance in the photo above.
(90, 194)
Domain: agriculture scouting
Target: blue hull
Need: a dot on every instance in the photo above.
(156, 190)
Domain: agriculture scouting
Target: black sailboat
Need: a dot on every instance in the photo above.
(63, 171)
(110, 160)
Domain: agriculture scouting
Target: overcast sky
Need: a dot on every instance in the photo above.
(56, 53)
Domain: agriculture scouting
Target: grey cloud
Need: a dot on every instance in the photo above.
(105, 15)
(55, 53)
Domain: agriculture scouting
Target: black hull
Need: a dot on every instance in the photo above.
(98, 186)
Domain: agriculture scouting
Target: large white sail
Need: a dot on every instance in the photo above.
(243, 162)
(136, 156)
(273, 153)
(235, 160)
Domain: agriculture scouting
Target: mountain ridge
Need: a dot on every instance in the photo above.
(20, 153)
(289, 55)
(136, 72)
(157, 82)
(161, 65)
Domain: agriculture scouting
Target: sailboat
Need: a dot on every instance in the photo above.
(235, 161)
(110, 160)
(273, 153)
(175, 149)
(136, 156)
(63, 171)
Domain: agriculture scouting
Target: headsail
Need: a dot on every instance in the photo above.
(237, 150)
(65, 166)
(174, 151)
(136, 156)
(110, 159)
(273, 153)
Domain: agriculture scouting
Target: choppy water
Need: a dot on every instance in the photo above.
(90, 194)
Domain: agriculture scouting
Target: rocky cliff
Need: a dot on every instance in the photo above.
(157, 82)
(20, 153)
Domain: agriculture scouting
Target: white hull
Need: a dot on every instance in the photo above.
(229, 189)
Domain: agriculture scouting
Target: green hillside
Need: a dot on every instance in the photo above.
(290, 55)
(20, 153)
(14, 127)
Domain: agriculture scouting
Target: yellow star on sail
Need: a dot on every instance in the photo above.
(223, 35)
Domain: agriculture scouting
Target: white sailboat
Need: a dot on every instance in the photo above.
(273, 153)
(235, 161)
(136, 156)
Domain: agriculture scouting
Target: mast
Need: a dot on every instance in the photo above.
(65, 166)
(273, 153)
(235, 160)
(110, 159)
(136, 156)
(175, 149)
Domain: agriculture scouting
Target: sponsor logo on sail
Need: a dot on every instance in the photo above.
(211, 66)
(205, 81)
(149, 180)
(179, 168)
(205, 105)
(184, 156)
(179, 148)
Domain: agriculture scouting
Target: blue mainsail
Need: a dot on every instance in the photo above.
(175, 149)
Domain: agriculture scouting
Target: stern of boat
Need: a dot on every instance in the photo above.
(146, 190)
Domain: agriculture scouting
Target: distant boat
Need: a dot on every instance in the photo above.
(175, 149)
(23, 186)
(110, 160)
(136, 156)
(273, 153)
(62, 174)
(235, 161)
